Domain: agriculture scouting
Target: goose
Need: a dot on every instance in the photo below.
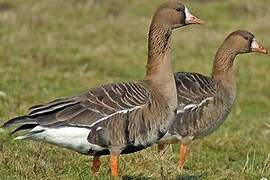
(117, 118)
(205, 102)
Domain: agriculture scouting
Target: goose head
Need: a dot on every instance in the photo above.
(173, 15)
(243, 41)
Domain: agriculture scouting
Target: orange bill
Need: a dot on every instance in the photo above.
(191, 19)
(255, 47)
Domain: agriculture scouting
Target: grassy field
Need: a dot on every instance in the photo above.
(56, 48)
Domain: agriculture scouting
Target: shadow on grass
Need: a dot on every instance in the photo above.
(135, 178)
(179, 177)
(191, 177)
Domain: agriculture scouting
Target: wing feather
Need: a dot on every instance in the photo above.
(91, 106)
(200, 103)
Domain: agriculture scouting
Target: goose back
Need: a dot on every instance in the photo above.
(203, 105)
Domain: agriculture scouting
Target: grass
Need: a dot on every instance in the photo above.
(50, 49)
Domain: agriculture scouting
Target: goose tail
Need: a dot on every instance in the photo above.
(22, 120)
(25, 122)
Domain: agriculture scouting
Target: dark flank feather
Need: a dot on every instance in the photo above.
(24, 127)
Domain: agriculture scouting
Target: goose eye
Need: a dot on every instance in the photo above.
(246, 38)
(178, 9)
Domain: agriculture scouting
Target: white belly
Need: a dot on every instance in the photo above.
(74, 138)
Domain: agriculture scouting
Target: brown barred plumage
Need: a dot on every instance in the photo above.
(121, 117)
(205, 102)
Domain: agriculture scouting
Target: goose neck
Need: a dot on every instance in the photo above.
(159, 52)
(223, 67)
(159, 68)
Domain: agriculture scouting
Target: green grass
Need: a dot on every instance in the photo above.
(50, 49)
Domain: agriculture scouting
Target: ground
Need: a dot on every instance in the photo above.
(51, 49)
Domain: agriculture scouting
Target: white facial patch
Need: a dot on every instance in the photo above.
(189, 16)
(254, 44)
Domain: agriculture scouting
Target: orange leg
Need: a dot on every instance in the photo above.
(114, 165)
(96, 164)
(182, 155)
